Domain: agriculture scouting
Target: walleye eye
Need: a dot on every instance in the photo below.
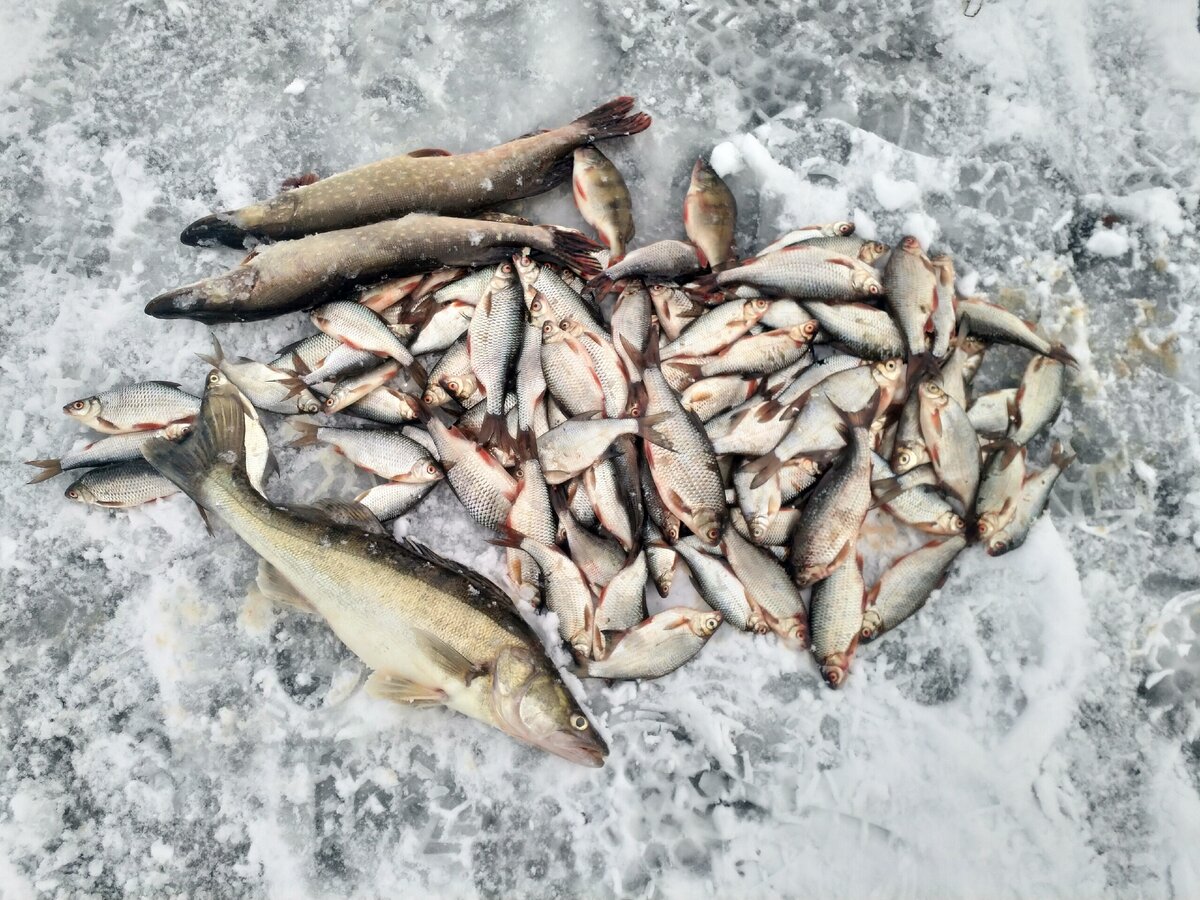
(579, 723)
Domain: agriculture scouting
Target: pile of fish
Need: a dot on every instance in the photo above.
(609, 412)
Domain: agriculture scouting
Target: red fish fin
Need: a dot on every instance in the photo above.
(575, 250)
(612, 120)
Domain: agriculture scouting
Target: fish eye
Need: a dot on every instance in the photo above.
(904, 458)
(564, 324)
(548, 328)
(73, 494)
(846, 229)
(579, 723)
(713, 533)
(330, 400)
(958, 523)
(506, 268)
(214, 378)
(711, 623)
(431, 469)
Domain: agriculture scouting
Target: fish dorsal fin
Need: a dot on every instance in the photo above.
(340, 512)
(275, 587)
(428, 151)
(170, 384)
(481, 583)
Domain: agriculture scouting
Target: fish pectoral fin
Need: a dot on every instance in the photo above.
(387, 686)
(456, 666)
(275, 587)
(341, 512)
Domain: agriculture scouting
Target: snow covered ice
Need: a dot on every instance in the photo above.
(1034, 731)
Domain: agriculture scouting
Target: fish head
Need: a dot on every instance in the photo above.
(843, 229)
(908, 456)
(951, 522)
(435, 395)
(80, 493)
(802, 334)
(588, 157)
(551, 332)
(755, 309)
(871, 624)
(309, 404)
(703, 623)
(424, 472)
(220, 298)
(910, 244)
(871, 251)
(663, 582)
(533, 705)
(1001, 542)
(707, 525)
(86, 410)
(933, 394)
(461, 386)
(670, 529)
(176, 430)
(704, 176)
(835, 669)
(571, 327)
(888, 374)
(793, 628)
(865, 282)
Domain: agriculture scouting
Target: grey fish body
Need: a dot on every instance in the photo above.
(952, 442)
(768, 587)
(710, 215)
(999, 492)
(267, 387)
(622, 603)
(761, 354)
(662, 259)
(905, 587)
(1030, 503)
(385, 453)
(111, 449)
(835, 618)
(660, 557)
(865, 331)
(712, 396)
(393, 498)
(911, 284)
(656, 647)
(146, 406)
(719, 587)
(803, 271)
(481, 484)
(1039, 398)
(386, 405)
(989, 413)
(120, 485)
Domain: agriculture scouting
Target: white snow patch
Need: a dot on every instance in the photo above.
(297, 87)
(895, 194)
(725, 159)
(1110, 242)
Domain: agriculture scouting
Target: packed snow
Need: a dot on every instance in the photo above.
(1034, 731)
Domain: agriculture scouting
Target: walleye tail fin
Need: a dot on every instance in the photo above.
(215, 229)
(49, 467)
(219, 436)
(613, 119)
(575, 250)
(648, 431)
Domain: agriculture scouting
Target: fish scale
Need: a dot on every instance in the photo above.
(911, 284)
(656, 647)
(493, 342)
(121, 485)
(906, 585)
(803, 271)
(145, 406)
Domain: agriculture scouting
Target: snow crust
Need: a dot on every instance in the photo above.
(1032, 732)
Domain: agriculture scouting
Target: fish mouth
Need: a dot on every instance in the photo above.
(214, 229)
(223, 298)
(583, 748)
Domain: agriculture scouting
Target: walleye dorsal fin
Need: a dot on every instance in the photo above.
(278, 590)
(481, 583)
(387, 686)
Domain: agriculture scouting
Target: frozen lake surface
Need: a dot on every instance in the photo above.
(1034, 732)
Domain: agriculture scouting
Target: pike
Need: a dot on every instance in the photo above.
(304, 273)
(432, 180)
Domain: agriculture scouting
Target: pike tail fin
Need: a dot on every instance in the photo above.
(613, 119)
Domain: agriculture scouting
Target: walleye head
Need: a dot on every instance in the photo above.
(533, 705)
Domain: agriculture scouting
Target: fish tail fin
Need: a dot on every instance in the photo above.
(647, 429)
(1061, 354)
(767, 466)
(691, 371)
(705, 285)
(1008, 450)
(859, 418)
(1060, 456)
(417, 372)
(653, 360)
(884, 491)
(613, 119)
(575, 250)
(49, 467)
(922, 365)
(217, 356)
(215, 229)
(493, 432)
(218, 437)
(636, 357)
(508, 537)
(307, 432)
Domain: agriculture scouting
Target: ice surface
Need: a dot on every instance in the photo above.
(1033, 732)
